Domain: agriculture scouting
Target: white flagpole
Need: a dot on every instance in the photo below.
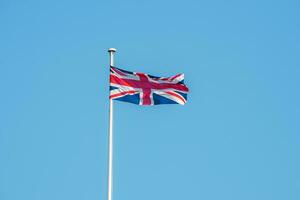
(110, 136)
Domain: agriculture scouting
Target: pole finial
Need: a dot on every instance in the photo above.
(112, 50)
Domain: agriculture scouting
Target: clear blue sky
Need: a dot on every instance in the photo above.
(237, 138)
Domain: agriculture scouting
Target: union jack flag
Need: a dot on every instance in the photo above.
(144, 89)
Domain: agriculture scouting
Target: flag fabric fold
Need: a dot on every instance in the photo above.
(144, 89)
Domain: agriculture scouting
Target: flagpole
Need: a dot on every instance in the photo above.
(110, 136)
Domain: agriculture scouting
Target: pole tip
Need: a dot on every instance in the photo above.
(112, 50)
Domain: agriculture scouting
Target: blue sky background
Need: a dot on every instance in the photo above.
(237, 137)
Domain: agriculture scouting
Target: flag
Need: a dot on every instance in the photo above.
(144, 89)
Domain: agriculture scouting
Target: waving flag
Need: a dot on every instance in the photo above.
(144, 89)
